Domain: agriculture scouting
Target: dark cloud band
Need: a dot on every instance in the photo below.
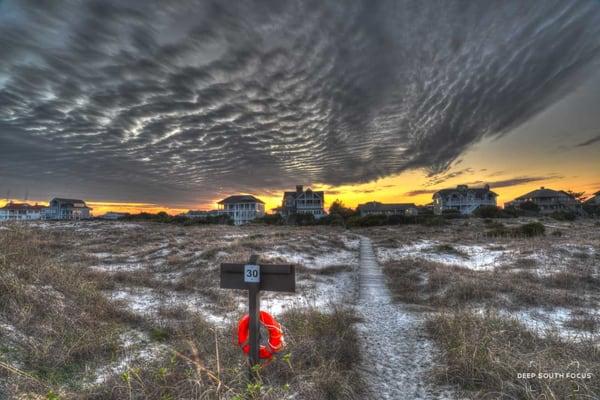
(181, 101)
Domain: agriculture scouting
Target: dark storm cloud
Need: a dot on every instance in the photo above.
(420, 192)
(589, 141)
(521, 180)
(493, 184)
(185, 100)
(437, 179)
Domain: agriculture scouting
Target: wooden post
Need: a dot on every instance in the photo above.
(254, 313)
(255, 277)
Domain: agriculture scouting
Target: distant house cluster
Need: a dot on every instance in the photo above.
(466, 200)
(462, 199)
(244, 208)
(57, 209)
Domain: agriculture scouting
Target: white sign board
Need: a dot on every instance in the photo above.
(251, 273)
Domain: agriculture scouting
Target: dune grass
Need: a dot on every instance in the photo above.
(489, 356)
(62, 338)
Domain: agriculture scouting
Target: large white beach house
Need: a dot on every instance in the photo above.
(463, 199)
(242, 208)
(21, 212)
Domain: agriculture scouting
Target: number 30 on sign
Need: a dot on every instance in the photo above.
(251, 273)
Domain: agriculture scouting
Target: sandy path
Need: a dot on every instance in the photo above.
(396, 355)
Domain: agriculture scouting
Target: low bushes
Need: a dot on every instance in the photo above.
(369, 220)
(564, 216)
(493, 212)
(530, 229)
(163, 217)
(270, 219)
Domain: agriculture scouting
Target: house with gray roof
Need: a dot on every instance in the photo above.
(303, 202)
(67, 209)
(594, 200)
(242, 208)
(548, 201)
(463, 199)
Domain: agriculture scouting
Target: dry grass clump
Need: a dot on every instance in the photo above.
(61, 322)
(449, 249)
(484, 355)
(318, 363)
(584, 321)
(434, 284)
(327, 270)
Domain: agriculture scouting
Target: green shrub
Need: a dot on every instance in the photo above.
(512, 212)
(332, 219)
(434, 221)
(528, 230)
(451, 214)
(489, 212)
(301, 219)
(563, 216)
(529, 206)
(270, 219)
(532, 229)
(592, 209)
(163, 217)
(367, 220)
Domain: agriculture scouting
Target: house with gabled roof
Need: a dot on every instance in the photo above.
(242, 208)
(548, 200)
(21, 212)
(463, 199)
(594, 200)
(67, 209)
(303, 202)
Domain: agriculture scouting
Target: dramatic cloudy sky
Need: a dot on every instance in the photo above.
(178, 103)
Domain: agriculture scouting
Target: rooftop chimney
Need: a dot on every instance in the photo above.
(299, 188)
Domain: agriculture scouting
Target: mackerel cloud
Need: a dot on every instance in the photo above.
(181, 101)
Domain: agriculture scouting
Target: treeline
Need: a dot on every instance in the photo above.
(340, 215)
(165, 218)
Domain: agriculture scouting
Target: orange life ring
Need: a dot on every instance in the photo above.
(275, 342)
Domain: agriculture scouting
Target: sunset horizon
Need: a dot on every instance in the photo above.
(133, 118)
